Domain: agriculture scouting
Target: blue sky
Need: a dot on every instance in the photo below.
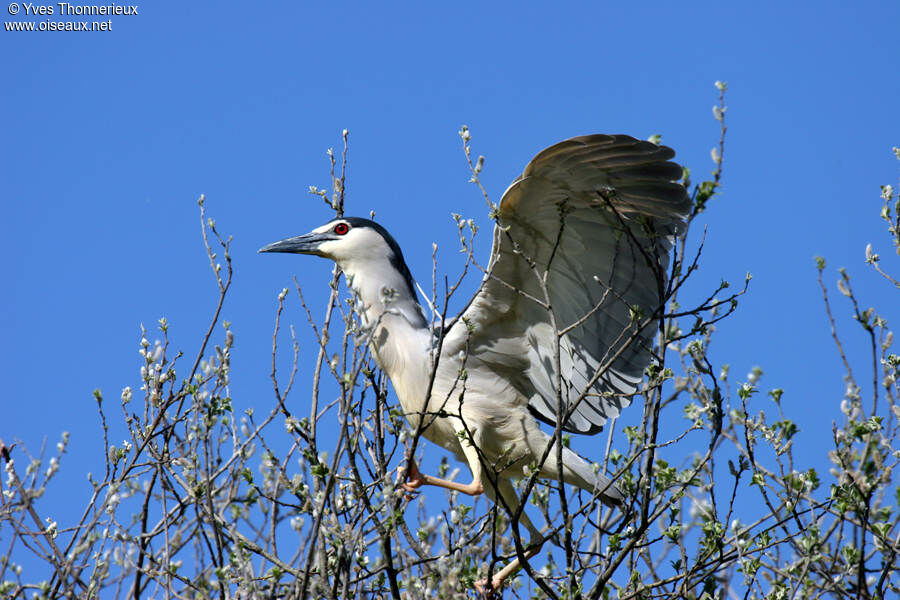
(110, 137)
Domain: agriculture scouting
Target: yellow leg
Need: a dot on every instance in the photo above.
(415, 480)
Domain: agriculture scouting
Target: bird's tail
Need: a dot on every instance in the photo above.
(577, 471)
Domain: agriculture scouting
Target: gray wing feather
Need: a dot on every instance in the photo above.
(598, 214)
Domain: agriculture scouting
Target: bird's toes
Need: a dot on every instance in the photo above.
(488, 589)
(412, 485)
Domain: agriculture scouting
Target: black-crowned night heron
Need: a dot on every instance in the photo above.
(580, 253)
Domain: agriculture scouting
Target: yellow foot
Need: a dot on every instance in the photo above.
(415, 480)
(487, 589)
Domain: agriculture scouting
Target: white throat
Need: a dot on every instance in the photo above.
(401, 335)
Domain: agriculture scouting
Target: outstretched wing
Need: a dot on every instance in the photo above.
(581, 249)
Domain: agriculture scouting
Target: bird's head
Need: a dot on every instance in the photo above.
(355, 244)
(341, 240)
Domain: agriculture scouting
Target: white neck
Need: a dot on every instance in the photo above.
(402, 338)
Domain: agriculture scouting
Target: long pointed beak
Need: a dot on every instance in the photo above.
(302, 244)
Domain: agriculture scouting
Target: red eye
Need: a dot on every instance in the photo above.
(341, 228)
